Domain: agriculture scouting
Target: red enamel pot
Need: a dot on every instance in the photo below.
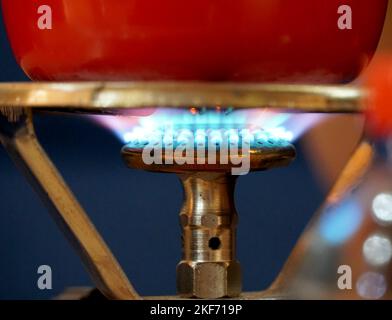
(209, 40)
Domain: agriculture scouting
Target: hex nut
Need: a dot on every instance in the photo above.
(209, 280)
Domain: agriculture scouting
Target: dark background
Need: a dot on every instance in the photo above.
(136, 212)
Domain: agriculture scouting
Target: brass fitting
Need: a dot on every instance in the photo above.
(208, 219)
(210, 280)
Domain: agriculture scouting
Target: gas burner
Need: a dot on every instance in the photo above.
(208, 217)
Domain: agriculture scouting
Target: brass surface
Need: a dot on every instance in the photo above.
(208, 219)
(115, 97)
(259, 159)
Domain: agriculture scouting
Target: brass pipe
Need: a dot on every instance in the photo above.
(209, 219)
(18, 137)
(119, 97)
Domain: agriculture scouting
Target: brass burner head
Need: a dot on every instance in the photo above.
(261, 156)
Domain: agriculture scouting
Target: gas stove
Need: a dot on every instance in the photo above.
(208, 134)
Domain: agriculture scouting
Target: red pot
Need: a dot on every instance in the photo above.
(213, 40)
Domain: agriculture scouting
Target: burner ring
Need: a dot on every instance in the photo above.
(260, 156)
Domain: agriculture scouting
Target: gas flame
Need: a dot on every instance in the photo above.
(286, 126)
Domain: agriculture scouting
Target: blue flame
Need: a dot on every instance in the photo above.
(254, 126)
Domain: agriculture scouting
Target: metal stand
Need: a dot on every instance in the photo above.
(208, 218)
